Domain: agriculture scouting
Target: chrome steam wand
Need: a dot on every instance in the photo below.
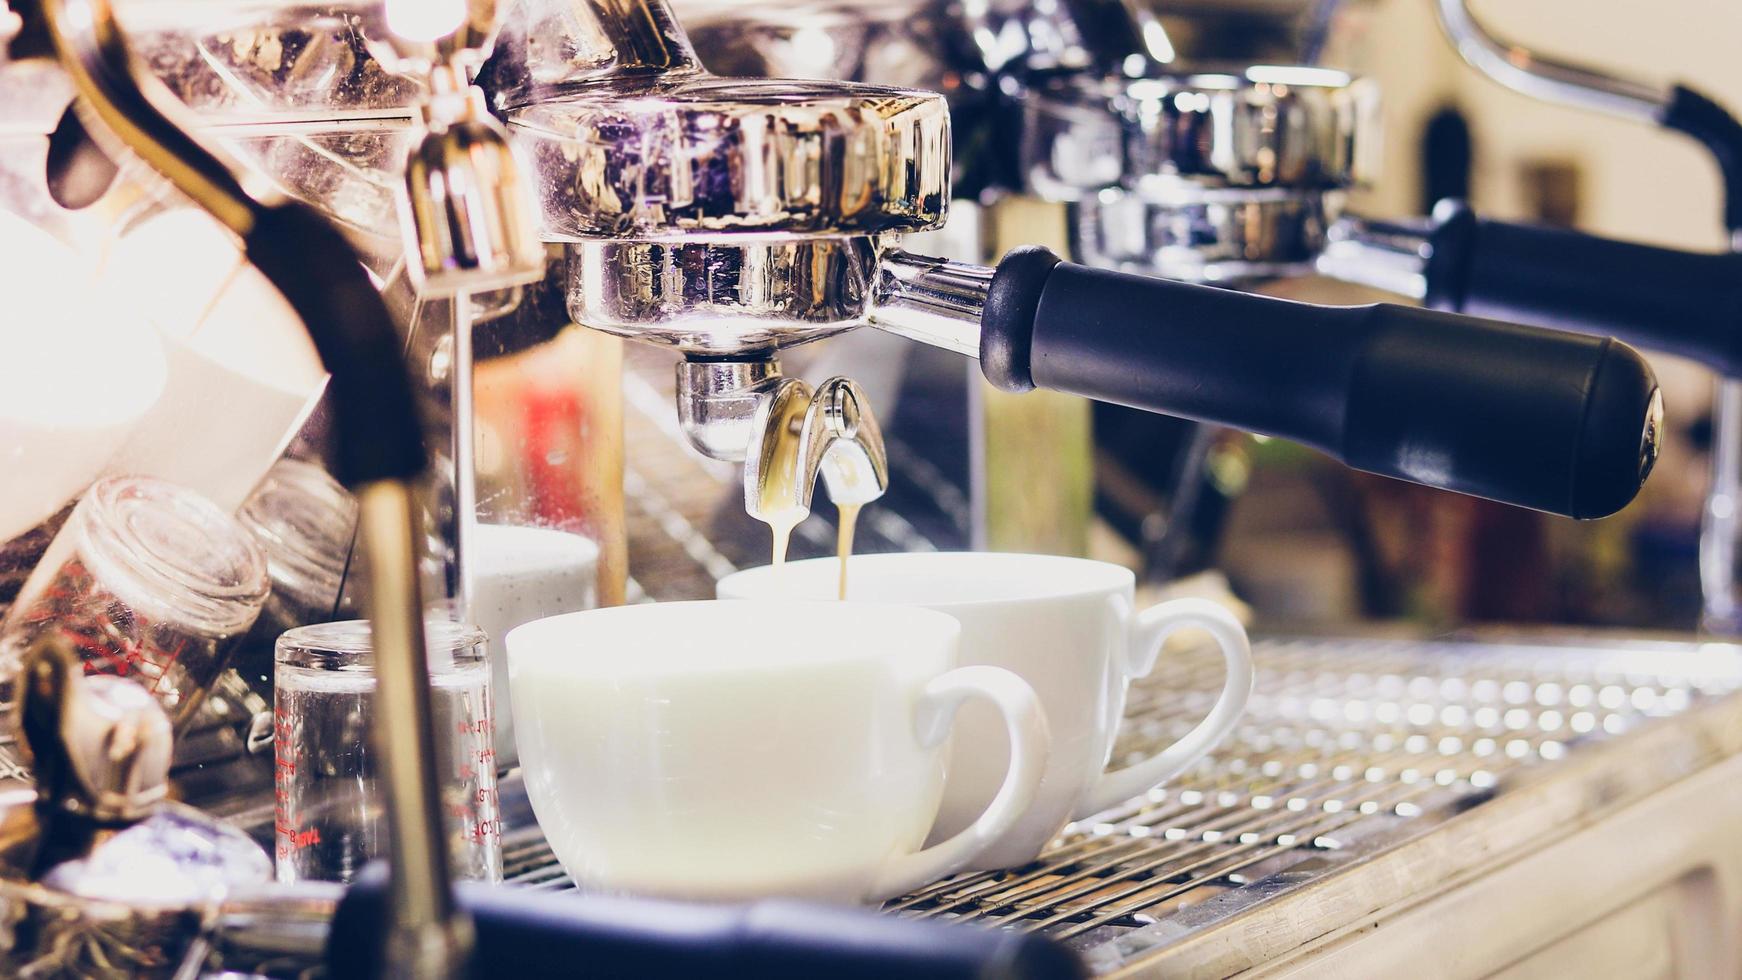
(378, 451)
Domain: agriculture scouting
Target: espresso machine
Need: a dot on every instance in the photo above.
(583, 147)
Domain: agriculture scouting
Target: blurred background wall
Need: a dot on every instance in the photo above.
(1307, 541)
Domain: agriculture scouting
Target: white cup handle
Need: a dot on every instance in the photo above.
(1152, 628)
(1030, 744)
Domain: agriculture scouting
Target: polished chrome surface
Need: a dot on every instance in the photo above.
(1219, 235)
(270, 59)
(1356, 754)
(933, 301)
(288, 920)
(1530, 74)
(798, 434)
(1172, 137)
(469, 218)
(132, 907)
(1121, 36)
(547, 46)
(911, 43)
(707, 156)
(137, 111)
(468, 215)
(717, 402)
(1382, 255)
(772, 463)
(723, 297)
(746, 297)
(322, 96)
(958, 47)
(682, 508)
(842, 443)
(1200, 177)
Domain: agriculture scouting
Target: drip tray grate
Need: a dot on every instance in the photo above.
(1346, 744)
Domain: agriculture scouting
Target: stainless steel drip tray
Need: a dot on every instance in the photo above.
(1368, 778)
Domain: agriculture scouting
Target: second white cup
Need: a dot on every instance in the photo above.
(1069, 627)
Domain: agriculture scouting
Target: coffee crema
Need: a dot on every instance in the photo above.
(778, 509)
(777, 494)
(848, 522)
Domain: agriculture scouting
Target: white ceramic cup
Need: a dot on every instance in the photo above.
(735, 750)
(1068, 626)
(520, 574)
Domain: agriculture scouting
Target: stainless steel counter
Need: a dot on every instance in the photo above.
(1385, 796)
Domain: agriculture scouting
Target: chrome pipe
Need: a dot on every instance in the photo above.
(427, 937)
(1377, 254)
(933, 301)
(1527, 73)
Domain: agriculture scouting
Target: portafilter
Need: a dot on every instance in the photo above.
(731, 218)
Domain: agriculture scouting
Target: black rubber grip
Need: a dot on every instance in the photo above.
(319, 275)
(528, 935)
(1685, 303)
(1542, 419)
(1692, 114)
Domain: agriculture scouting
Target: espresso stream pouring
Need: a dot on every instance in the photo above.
(729, 218)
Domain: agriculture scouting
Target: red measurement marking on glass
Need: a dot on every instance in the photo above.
(168, 659)
(300, 839)
(102, 656)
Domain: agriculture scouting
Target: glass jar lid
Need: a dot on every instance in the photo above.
(304, 521)
(349, 645)
(172, 554)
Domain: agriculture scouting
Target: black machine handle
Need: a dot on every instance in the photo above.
(380, 436)
(530, 935)
(1547, 420)
(1686, 303)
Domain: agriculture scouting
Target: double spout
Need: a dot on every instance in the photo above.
(787, 434)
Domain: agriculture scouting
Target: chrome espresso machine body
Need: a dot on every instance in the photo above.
(731, 219)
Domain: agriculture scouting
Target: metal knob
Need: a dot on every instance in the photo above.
(103, 876)
(468, 215)
(101, 745)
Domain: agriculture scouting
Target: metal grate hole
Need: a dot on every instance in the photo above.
(1342, 739)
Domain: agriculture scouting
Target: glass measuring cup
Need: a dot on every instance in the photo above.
(329, 818)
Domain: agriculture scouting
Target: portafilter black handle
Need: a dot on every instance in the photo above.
(1686, 303)
(530, 935)
(1546, 420)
